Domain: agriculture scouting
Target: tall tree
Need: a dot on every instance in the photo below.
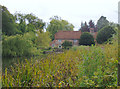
(56, 24)
(91, 24)
(102, 22)
(28, 22)
(85, 28)
(8, 22)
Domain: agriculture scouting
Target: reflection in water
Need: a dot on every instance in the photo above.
(7, 62)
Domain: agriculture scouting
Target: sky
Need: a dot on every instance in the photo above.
(74, 11)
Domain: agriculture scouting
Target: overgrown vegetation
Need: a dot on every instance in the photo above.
(81, 66)
(85, 67)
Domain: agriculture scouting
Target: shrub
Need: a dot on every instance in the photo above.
(86, 39)
(14, 46)
(67, 44)
(104, 34)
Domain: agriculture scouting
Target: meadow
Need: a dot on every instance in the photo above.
(82, 66)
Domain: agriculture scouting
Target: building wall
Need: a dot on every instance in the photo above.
(57, 43)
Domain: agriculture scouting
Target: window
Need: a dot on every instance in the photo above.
(52, 45)
(74, 41)
(59, 40)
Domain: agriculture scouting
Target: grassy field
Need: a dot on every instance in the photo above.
(83, 66)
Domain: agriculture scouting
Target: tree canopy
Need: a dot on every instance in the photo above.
(102, 22)
(43, 39)
(8, 22)
(84, 27)
(57, 24)
(104, 34)
(28, 22)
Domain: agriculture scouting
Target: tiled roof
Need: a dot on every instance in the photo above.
(68, 35)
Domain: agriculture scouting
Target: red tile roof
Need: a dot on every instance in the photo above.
(68, 35)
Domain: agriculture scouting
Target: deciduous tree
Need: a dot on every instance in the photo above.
(57, 24)
(43, 39)
(8, 22)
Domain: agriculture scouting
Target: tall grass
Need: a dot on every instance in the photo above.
(83, 67)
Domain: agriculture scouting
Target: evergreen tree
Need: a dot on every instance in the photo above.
(102, 22)
(91, 24)
(85, 28)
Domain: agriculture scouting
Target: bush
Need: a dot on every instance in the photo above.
(104, 34)
(18, 45)
(86, 39)
(67, 44)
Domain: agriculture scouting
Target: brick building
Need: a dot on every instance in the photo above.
(72, 36)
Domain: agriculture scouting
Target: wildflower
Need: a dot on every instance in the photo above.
(59, 83)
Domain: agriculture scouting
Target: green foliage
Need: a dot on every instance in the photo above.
(57, 24)
(86, 67)
(84, 27)
(28, 22)
(33, 20)
(67, 44)
(18, 45)
(86, 39)
(102, 22)
(104, 34)
(19, 23)
(43, 39)
(8, 22)
(82, 66)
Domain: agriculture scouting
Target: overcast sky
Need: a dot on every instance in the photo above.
(74, 11)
